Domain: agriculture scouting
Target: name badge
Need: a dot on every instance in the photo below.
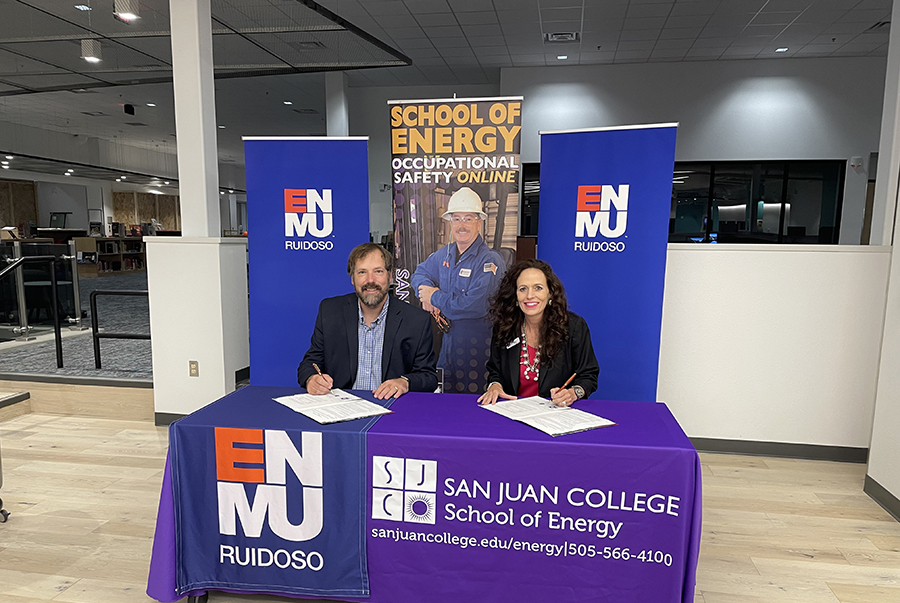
(512, 343)
(465, 272)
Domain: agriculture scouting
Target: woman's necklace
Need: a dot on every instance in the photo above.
(530, 367)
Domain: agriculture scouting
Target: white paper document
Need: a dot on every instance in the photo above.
(541, 414)
(333, 407)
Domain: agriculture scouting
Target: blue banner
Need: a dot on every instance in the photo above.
(265, 509)
(604, 216)
(307, 208)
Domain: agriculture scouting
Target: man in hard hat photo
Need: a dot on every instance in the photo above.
(457, 281)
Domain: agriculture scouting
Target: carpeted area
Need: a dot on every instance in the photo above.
(123, 359)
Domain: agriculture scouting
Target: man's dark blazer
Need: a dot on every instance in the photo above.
(408, 344)
(576, 356)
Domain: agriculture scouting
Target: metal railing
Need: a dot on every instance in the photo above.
(14, 264)
(95, 328)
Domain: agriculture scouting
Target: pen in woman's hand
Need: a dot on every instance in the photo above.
(558, 390)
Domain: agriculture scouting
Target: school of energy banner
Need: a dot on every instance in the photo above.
(455, 172)
(604, 215)
(307, 208)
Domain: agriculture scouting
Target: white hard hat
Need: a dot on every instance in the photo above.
(464, 200)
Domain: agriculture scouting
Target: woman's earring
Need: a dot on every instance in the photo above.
(549, 301)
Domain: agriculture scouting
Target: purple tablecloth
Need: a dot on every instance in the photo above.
(464, 503)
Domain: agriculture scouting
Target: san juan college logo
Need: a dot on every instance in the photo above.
(404, 489)
(603, 209)
(308, 211)
(235, 470)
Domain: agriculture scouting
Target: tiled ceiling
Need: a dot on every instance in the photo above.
(468, 41)
(450, 42)
(43, 42)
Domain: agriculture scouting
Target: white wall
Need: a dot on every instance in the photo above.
(813, 108)
(774, 343)
(198, 311)
(369, 117)
(53, 197)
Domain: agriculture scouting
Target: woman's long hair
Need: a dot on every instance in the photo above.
(507, 317)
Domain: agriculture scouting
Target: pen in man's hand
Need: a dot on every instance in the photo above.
(318, 370)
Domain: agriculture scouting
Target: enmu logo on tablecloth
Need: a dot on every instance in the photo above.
(404, 489)
(235, 473)
(304, 208)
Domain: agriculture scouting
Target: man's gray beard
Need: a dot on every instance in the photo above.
(376, 297)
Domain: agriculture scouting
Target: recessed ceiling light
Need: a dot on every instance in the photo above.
(122, 177)
(166, 182)
(151, 104)
(783, 49)
(126, 10)
(562, 57)
(288, 103)
(67, 174)
(221, 192)
(5, 167)
(118, 180)
(9, 156)
(221, 127)
(90, 51)
(155, 192)
(70, 170)
(4, 162)
(82, 7)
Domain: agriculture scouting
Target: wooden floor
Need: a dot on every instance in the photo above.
(83, 493)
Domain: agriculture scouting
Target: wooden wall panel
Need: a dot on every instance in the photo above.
(146, 207)
(167, 211)
(24, 202)
(123, 208)
(132, 403)
(6, 218)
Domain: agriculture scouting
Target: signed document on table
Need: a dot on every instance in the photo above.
(541, 414)
(334, 407)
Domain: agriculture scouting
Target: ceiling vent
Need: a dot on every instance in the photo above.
(879, 25)
(94, 113)
(306, 111)
(134, 123)
(564, 37)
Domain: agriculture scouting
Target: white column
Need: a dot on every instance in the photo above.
(224, 218)
(195, 117)
(232, 211)
(884, 449)
(197, 282)
(888, 178)
(337, 113)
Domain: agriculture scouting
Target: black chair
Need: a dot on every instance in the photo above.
(508, 255)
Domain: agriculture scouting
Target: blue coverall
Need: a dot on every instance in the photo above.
(465, 290)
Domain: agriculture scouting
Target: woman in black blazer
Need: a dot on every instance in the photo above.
(537, 343)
